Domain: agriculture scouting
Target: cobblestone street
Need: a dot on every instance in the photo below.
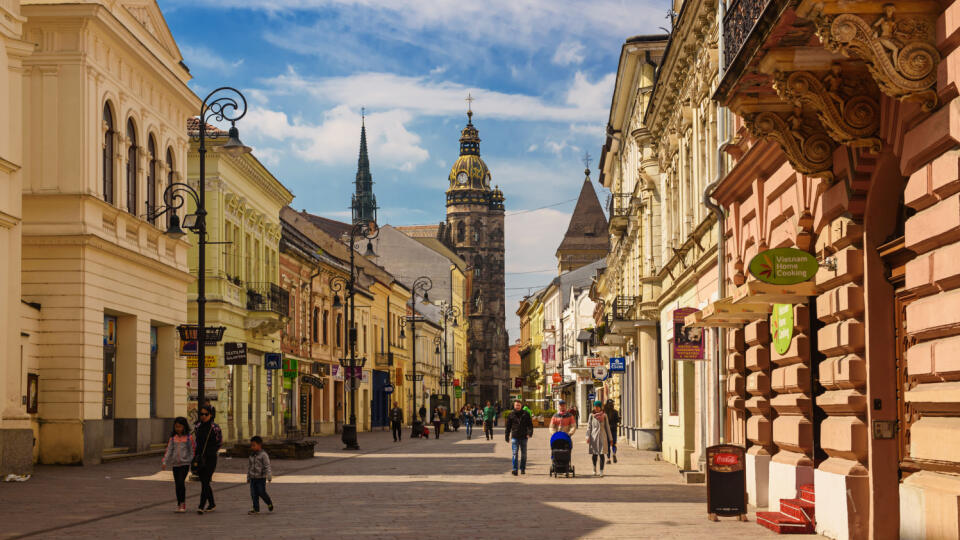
(451, 487)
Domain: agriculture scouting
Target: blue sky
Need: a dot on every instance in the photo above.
(541, 71)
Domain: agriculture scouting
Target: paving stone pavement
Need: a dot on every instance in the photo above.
(423, 489)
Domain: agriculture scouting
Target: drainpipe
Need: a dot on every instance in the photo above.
(716, 372)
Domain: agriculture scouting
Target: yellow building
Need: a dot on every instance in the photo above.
(243, 290)
(105, 101)
(16, 425)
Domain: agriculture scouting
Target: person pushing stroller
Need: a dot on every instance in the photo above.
(562, 425)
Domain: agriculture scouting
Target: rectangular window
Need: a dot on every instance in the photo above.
(109, 364)
(674, 367)
(326, 316)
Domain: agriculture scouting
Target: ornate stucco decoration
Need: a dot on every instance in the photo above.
(808, 148)
(899, 51)
(847, 111)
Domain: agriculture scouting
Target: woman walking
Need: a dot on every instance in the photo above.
(468, 420)
(598, 436)
(208, 439)
(179, 454)
(437, 420)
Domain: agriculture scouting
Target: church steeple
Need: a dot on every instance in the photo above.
(364, 204)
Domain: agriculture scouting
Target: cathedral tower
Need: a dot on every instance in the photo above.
(474, 229)
(364, 204)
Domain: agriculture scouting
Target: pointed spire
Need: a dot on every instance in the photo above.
(364, 202)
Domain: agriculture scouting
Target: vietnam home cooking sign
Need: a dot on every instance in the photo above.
(784, 266)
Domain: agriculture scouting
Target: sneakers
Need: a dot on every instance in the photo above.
(211, 508)
(594, 470)
(270, 507)
(514, 472)
(601, 473)
(614, 458)
(200, 511)
(181, 508)
(608, 461)
(523, 471)
(252, 512)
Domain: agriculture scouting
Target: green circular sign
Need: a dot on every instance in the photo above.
(784, 266)
(781, 327)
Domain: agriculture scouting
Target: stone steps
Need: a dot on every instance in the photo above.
(796, 516)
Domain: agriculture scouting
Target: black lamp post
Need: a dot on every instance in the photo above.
(422, 284)
(447, 313)
(224, 103)
(369, 231)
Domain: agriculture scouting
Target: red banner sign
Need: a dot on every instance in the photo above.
(557, 377)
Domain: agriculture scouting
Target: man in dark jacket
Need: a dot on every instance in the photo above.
(396, 420)
(518, 429)
(613, 418)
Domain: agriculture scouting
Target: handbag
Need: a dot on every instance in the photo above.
(195, 464)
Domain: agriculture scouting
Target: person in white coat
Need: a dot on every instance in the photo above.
(598, 435)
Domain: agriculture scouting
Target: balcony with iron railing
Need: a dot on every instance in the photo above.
(621, 314)
(618, 207)
(268, 297)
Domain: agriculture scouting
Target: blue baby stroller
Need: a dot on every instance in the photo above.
(561, 447)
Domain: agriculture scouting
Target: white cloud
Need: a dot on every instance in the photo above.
(569, 52)
(584, 101)
(336, 138)
(532, 148)
(439, 70)
(268, 156)
(201, 58)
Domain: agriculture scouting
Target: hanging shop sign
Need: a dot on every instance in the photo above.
(235, 354)
(312, 380)
(601, 373)
(726, 481)
(618, 364)
(518, 382)
(557, 377)
(687, 341)
(781, 327)
(290, 367)
(209, 360)
(457, 392)
(784, 266)
(456, 382)
(594, 362)
(272, 360)
(388, 388)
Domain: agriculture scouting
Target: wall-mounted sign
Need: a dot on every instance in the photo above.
(272, 360)
(601, 373)
(687, 341)
(209, 360)
(457, 392)
(518, 382)
(594, 362)
(312, 380)
(557, 377)
(388, 388)
(456, 382)
(235, 354)
(784, 266)
(290, 367)
(618, 364)
(781, 327)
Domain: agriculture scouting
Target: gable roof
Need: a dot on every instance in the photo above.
(588, 225)
(442, 249)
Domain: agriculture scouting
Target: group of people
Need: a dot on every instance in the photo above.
(196, 452)
(488, 416)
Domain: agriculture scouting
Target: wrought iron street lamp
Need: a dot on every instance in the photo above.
(368, 231)
(223, 104)
(421, 287)
(448, 312)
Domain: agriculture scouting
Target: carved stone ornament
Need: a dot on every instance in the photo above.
(810, 151)
(849, 117)
(899, 52)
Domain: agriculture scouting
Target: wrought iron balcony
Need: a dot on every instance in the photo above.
(622, 306)
(744, 27)
(618, 206)
(268, 297)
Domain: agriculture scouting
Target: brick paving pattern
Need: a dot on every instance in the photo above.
(423, 489)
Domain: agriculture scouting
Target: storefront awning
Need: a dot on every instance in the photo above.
(724, 314)
(758, 292)
(585, 335)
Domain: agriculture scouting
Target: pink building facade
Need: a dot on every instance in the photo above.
(845, 145)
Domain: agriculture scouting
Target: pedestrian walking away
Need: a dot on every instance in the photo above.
(396, 421)
(258, 474)
(613, 418)
(423, 413)
(437, 419)
(563, 420)
(519, 429)
(180, 449)
(489, 417)
(496, 418)
(208, 439)
(598, 435)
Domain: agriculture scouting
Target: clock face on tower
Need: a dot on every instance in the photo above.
(462, 178)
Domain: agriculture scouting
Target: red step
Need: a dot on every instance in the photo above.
(798, 509)
(806, 493)
(784, 524)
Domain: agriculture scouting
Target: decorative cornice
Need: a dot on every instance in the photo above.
(808, 149)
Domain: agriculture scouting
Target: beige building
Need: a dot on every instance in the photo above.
(105, 99)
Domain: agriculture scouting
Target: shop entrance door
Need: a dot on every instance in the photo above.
(378, 405)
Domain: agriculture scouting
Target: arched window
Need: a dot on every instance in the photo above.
(131, 167)
(461, 232)
(152, 180)
(170, 183)
(108, 135)
(316, 325)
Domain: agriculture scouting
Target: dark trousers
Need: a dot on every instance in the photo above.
(436, 428)
(206, 476)
(488, 428)
(180, 479)
(258, 490)
(395, 427)
(594, 458)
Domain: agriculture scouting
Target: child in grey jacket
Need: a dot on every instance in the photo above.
(179, 454)
(258, 474)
